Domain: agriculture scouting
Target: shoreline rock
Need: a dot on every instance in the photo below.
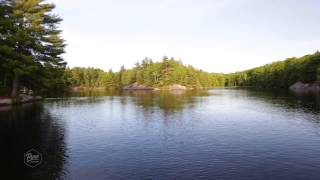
(301, 87)
(21, 99)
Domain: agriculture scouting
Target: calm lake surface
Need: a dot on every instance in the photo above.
(215, 134)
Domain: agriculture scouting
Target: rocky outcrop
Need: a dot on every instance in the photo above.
(301, 87)
(22, 98)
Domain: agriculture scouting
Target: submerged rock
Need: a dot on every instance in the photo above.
(301, 87)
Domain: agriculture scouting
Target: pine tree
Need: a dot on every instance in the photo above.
(31, 41)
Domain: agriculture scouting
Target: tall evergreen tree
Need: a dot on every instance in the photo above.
(31, 42)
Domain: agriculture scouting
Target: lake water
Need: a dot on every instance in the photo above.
(215, 134)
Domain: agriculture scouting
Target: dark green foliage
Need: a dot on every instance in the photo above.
(279, 74)
(30, 46)
(149, 73)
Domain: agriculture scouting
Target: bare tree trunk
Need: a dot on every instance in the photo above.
(15, 86)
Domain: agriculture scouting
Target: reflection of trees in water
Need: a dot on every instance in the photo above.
(85, 93)
(291, 102)
(31, 126)
(168, 101)
(167, 107)
(175, 100)
(92, 93)
(307, 102)
(69, 101)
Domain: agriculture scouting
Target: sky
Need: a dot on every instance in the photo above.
(212, 35)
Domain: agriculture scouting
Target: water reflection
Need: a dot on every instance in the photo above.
(305, 106)
(168, 101)
(121, 135)
(31, 126)
(177, 100)
(308, 102)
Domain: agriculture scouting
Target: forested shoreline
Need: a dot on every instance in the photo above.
(279, 74)
(31, 47)
(148, 73)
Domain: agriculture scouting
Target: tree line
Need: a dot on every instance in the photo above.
(148, 73)
(280, 74)
(30, 56)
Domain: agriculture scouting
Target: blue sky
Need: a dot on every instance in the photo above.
(213, 35)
